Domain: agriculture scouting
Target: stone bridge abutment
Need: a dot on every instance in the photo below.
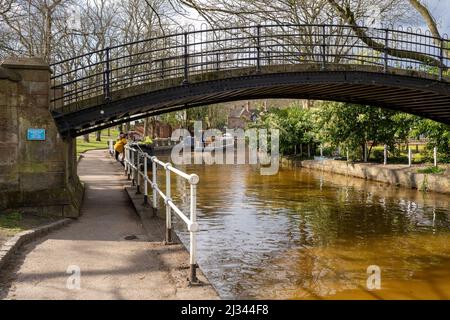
(37, 166)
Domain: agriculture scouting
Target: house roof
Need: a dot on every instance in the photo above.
(237, 113)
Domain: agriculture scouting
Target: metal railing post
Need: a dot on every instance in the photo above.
(323, 48)
(186, 59)
(133, 171)
(125, 164)
(409, 157)
(155, 200)
(128, 163)
(441, 61)
(168, 211)
(217, 62)
(435, 156)
(163, 66)
(145, 180)
(386, 46)
(138, 170)
(190, 221)
(258, 48)
(106, 77)
(110, 147)
(127, 157)
(193, 230)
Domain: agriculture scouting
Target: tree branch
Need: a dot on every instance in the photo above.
(5, 6)
(157, 16)
(430, 21)
(426, 15)
(348, 16)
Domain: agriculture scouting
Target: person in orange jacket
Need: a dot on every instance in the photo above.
(119, 146)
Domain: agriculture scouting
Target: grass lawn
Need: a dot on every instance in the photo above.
(432, 170)
(92, 144)
(14, 222)
(417, 157)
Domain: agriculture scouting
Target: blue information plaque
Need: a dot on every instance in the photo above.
(36, 134)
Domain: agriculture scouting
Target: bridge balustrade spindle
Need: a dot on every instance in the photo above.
(386, 46)
(186, 58)
(106, 76)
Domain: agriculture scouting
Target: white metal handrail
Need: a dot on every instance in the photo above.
(132, 162)
(111, 147)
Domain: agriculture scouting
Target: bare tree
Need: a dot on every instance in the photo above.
(5, 6)
(31, 24)
(427, 17)
(142, 19)
(348, 15)
(349, 12)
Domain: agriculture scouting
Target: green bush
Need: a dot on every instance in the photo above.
(147, 140)
(431, 170)
(378, 155)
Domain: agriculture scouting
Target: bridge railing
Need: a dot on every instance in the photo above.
(136, 167)
(101, 74)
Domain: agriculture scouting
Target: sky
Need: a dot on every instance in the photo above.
(441, 11)
(439, 8)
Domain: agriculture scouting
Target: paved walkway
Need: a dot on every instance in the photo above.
(111, 267)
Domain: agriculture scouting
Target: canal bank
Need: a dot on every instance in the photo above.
(397, 175)
(115, 257)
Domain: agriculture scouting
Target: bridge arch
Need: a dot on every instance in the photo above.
(163, 74)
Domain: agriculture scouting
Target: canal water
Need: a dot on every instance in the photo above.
(304, 234)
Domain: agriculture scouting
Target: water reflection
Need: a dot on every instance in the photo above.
(307, 234)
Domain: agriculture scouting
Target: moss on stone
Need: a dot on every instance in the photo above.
(34, 167)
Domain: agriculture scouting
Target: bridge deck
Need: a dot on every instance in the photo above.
(409, 91)
(143, 88)
(398, 69)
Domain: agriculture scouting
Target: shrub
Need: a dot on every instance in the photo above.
(431, 170)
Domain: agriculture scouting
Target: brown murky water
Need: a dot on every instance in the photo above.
(304, 234)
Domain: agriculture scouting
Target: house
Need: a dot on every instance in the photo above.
(240, 115)
(157, 129)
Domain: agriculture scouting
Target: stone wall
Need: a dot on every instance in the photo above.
(38, 176)
(396, 174)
